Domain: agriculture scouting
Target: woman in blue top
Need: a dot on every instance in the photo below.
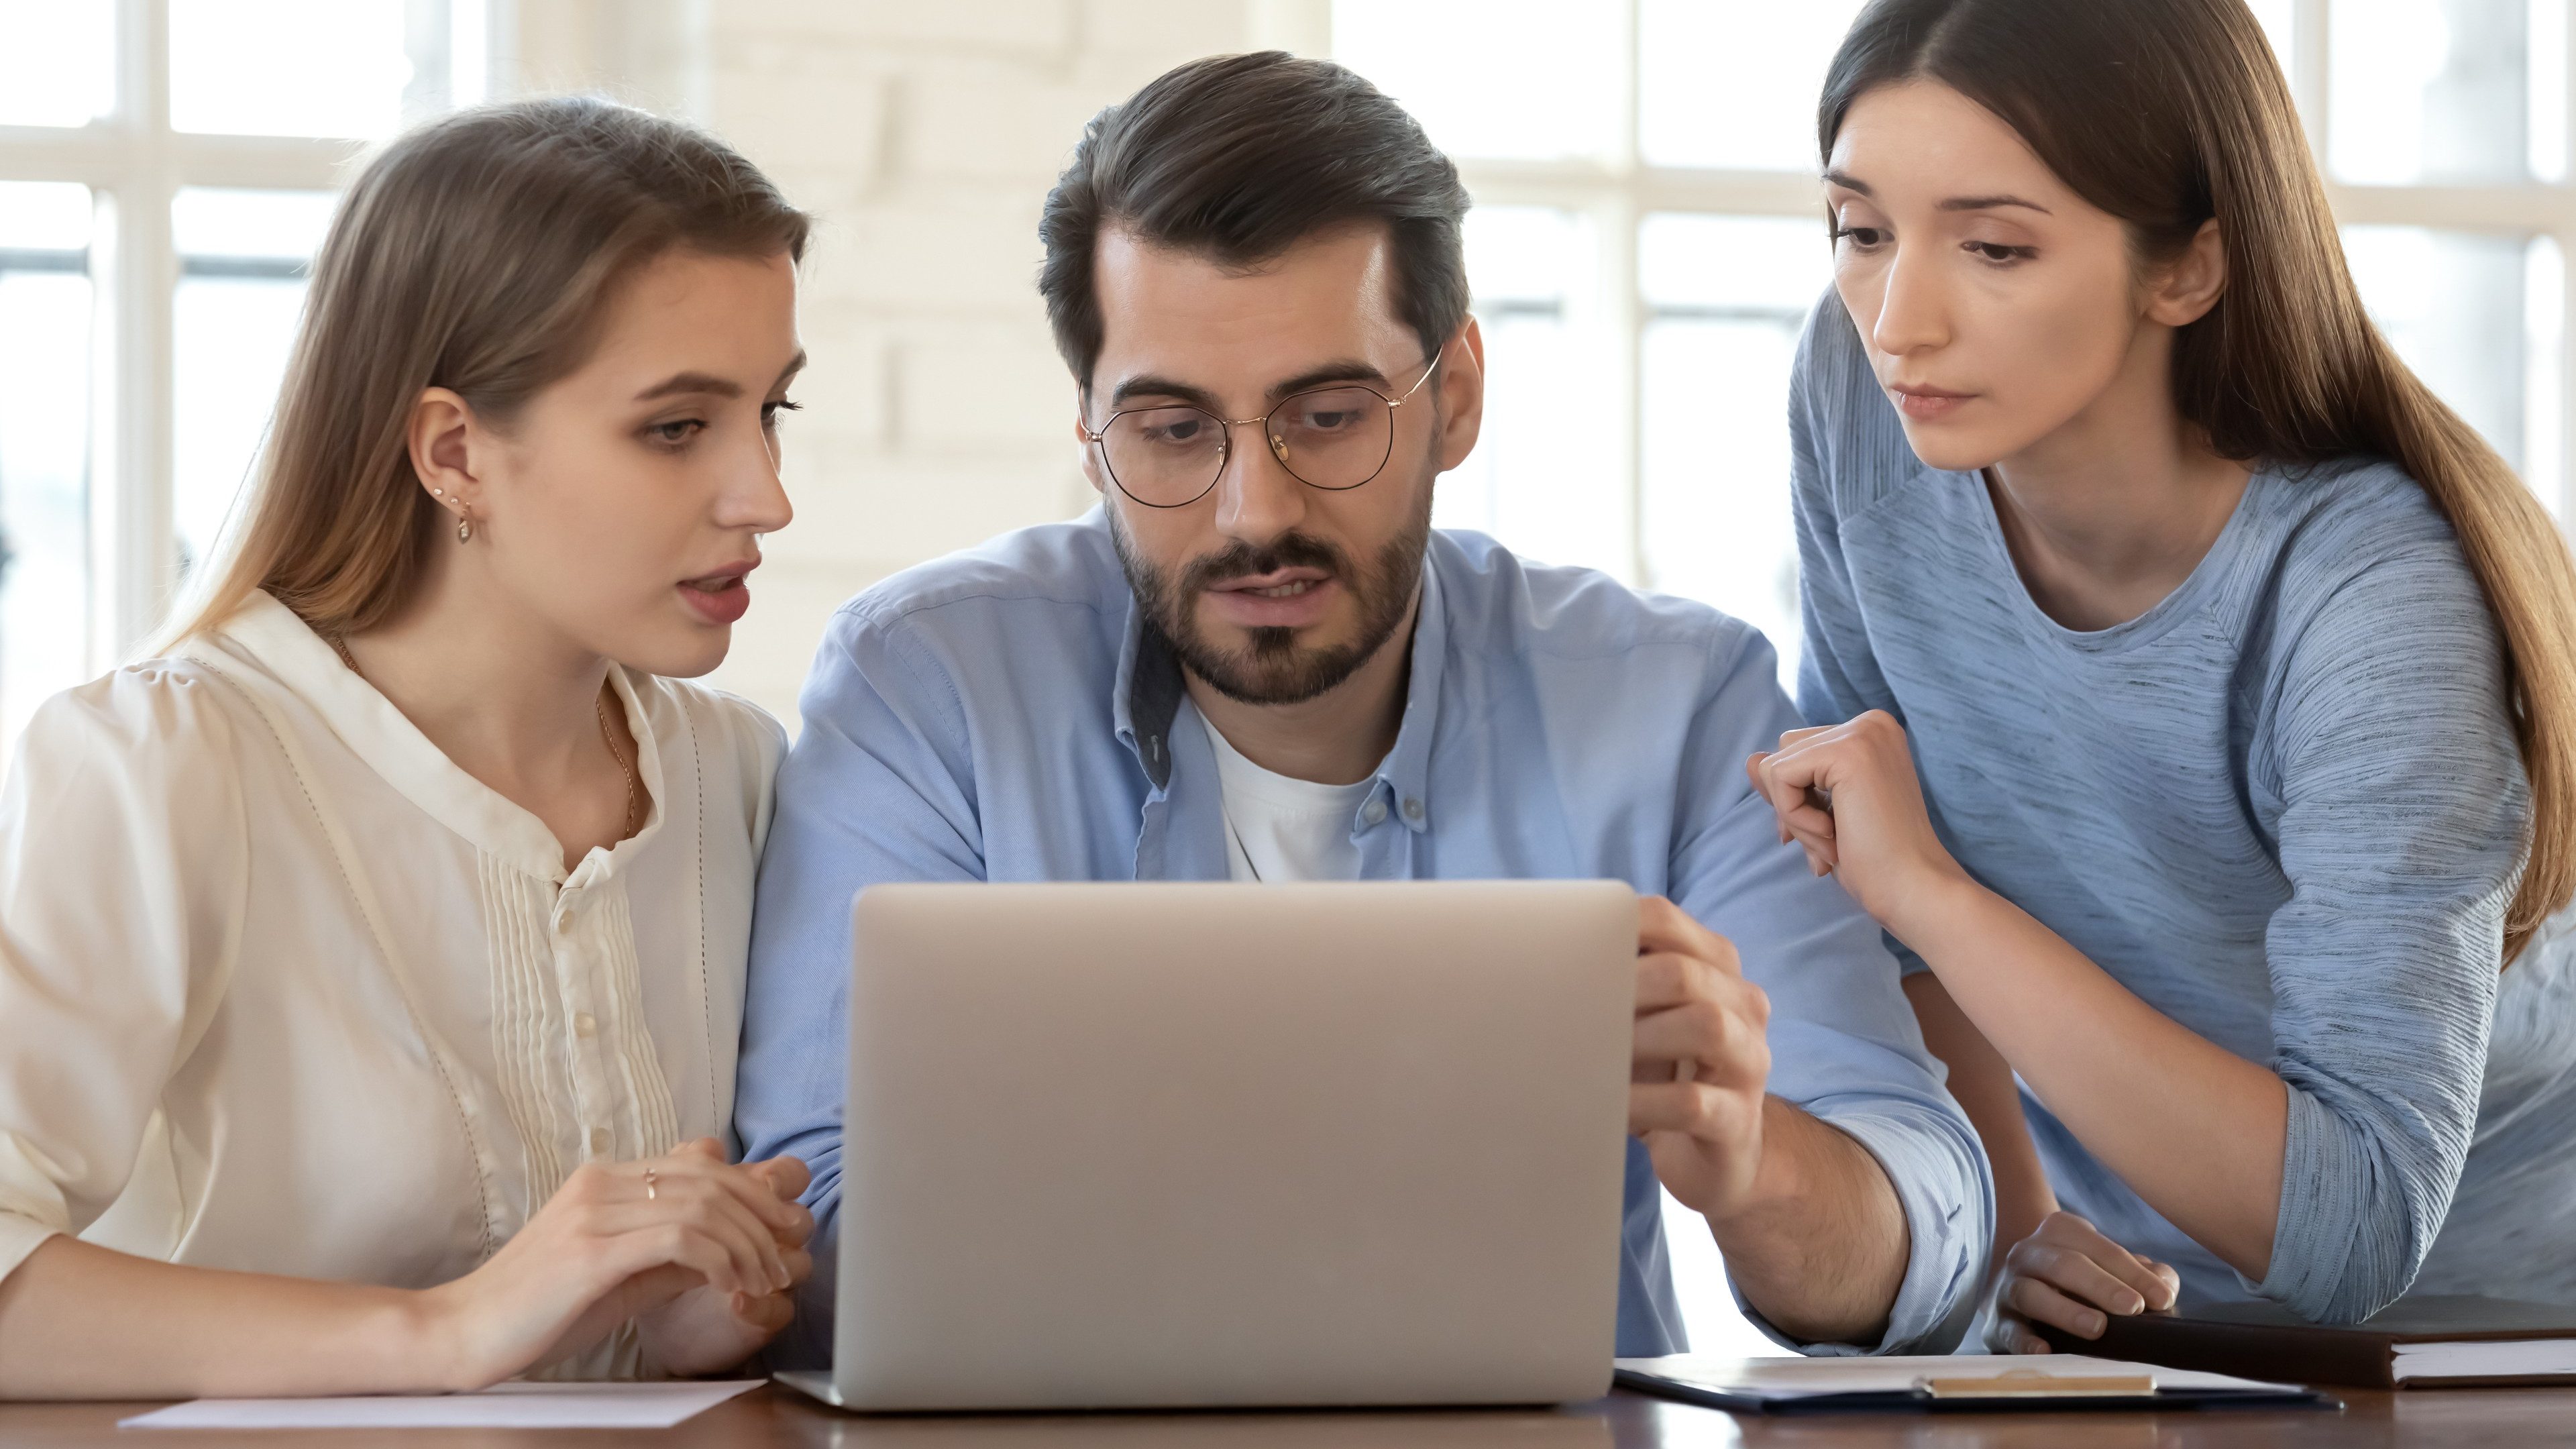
(2195, 691)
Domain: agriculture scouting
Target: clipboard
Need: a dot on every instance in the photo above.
(2055, 1383)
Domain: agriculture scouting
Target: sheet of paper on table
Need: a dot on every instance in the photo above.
(1783, 1378)
(503, 1406)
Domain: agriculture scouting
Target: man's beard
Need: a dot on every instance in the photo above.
(1274, 670)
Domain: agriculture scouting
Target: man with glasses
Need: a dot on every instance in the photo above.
(1258, 661)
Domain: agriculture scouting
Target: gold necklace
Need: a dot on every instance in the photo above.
(607, 734)
(625, 767)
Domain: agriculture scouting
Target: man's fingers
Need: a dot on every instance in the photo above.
(1663, 926)
(1667, 979)
(1727, 1045)
(1694, 1109)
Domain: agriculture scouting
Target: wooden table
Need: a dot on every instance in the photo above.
(2471, 1418)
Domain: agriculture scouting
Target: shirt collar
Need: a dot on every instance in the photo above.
(1149, 693)
(278, 640)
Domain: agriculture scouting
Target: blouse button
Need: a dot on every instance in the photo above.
(599, 1142)
(585, 1025)
(1374, 812)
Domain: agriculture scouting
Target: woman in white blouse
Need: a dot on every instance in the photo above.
(371, 960)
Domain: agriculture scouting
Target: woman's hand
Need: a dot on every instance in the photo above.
(703, 1331)
(2067, 1275)
(1848, 795)
(614, 1244)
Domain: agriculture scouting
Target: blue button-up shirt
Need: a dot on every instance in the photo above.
(1003, 715)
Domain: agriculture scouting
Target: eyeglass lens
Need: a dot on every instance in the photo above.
(1335, 437)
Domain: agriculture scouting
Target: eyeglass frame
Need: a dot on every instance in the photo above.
(1225, 452)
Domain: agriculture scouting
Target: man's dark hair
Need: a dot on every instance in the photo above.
(1239, 158)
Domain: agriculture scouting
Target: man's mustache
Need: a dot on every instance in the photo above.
(1245, 561)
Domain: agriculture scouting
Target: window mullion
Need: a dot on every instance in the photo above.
(2308, 72)
(426, 26)
(1617, 223)
(132, 562)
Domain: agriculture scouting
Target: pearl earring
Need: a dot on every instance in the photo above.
(464, 525)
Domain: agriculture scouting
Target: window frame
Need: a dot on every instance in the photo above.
(1619, 191)
(135, 164)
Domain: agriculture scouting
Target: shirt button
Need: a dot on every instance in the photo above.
(585, 1025)
(1373, 812)
(1412, 809)
(599, 1142)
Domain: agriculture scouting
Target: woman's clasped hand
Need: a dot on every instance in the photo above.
(701, 1254)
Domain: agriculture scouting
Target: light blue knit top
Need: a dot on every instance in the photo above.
(2283, 806)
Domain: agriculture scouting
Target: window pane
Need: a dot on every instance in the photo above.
(44, 216)
(1503, 78)
(1732, 84)
(1536, 480)
(2280, 20)
(44, 447)
(58, 64)
(1726, 298)
(2439, 91)
(241, 285)
(2469, 312)
(288, 67)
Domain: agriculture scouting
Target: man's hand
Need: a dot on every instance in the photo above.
(1699, 1063)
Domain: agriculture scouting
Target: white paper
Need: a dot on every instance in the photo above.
(1792, 1377)
(503, 1406)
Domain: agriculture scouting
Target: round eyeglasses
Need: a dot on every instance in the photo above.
(1336, 438)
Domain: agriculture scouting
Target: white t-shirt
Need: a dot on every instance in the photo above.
(1281, 829)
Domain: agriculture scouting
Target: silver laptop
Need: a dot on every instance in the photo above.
(1120, 1146)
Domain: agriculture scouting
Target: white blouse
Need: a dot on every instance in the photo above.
(282, 989)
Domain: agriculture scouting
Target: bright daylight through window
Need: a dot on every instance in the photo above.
(167, 169)
(1648, 241)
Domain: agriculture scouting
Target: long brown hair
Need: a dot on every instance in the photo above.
(2167, 113)
(476, 253)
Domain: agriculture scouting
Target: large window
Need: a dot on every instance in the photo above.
(167, 168)
(1648, 239)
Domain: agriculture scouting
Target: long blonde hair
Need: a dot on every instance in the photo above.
(2167, 113)
(476, 253)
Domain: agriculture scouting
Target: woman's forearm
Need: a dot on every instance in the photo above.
(2192, 1128)
(1982, 1081)
(78, 1321)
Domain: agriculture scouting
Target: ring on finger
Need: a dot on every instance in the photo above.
(649, 1193)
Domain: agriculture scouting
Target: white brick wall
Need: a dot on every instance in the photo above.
(925, 134)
